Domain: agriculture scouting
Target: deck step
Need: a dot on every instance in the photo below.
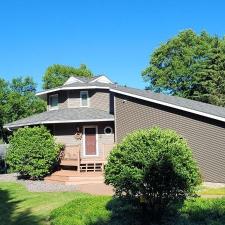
(61, 178)
(69, 162)
(69, 173)
(73, 177)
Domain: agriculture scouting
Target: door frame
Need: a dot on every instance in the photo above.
(84, 140)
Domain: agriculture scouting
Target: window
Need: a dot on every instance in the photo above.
(84, 98)
(53, 101)
(108, 130)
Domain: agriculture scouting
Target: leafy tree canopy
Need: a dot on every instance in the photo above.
(56, 75)
(18, 100)
(190, 66)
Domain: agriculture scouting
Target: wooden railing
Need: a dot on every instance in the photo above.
(71, 156)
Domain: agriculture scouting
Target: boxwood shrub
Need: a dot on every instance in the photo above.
(32, 152)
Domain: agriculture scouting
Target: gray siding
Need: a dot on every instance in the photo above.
(62, 98)
(73, 99)
(206, 137)
(64, 133)
(3, 149)
(99, 99)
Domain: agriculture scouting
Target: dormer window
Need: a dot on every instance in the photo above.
(84, 101)
(53, 101)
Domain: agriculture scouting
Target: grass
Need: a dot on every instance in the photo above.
(89, 210)
(20, 207)
(94, 210)
(212, 191)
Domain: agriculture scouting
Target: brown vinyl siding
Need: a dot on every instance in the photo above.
(205, 136)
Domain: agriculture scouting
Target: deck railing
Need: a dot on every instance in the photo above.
(72, 156)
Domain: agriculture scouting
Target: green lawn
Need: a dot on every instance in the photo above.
(212, 191)
(20, 207)
(95, 210)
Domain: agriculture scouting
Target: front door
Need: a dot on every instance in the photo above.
(90, 140)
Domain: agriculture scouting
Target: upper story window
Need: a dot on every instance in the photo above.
(53, 101)
(84, 101)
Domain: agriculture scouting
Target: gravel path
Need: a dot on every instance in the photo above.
(38, 186)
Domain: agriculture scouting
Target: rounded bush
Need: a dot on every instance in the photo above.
(154, 166)
(32, 152)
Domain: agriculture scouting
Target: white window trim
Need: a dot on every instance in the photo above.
(84, 147)
(81, 92)
(54, 107)
(108, 127)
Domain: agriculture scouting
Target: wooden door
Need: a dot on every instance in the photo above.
(90, 141)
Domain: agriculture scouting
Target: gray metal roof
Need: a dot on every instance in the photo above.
(64, 116)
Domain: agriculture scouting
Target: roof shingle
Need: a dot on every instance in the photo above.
(64, 116)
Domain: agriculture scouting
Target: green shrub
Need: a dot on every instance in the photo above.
(154, 166)
(32, 152)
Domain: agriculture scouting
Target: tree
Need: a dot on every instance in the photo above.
(32, 152)
(4, 90)
(56, 75)
(190, 66)
(18, 100)
(154, 165)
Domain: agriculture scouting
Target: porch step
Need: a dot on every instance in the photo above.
(73, 177)
(69, 162)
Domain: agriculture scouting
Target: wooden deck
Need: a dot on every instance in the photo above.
(71, 177)
(77, 170)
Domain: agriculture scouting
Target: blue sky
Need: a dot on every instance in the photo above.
(114, 37)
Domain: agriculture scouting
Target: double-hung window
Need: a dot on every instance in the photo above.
(53, 102)
(84, 99)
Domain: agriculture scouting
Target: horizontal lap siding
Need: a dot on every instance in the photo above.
(97, 99)
(73, 99)
(206, 137)
(100, 100)
(64, 133)
(62, 98)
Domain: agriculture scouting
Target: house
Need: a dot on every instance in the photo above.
(91, 115)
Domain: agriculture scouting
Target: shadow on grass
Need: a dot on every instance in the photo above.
(124, 212)
(8, 207)
(197, 212)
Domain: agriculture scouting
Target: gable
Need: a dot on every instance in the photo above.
(102, 79)
(72, 80)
